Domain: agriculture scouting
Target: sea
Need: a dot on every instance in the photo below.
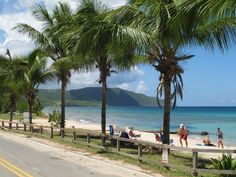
(196, 119)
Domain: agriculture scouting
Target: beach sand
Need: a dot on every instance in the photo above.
(193, 142)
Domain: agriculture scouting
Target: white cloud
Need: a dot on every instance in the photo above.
(114, 3)
(17, 47)
(10, 20)
(17, 43)
(83, 79)
(125, 86)
(125, 77)
(141, 88)
(122, 80)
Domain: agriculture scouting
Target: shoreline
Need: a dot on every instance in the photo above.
(193, 141)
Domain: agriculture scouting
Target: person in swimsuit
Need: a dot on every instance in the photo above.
(207, 141)
(220, 137)
(183, 134)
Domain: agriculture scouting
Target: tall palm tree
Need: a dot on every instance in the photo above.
(108, 45)
(49, 41)
(171, 32)
(62, 69)
(35, 73)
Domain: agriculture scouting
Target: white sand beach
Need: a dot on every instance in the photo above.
(193, 142)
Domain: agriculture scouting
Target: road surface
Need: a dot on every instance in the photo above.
(23, 157)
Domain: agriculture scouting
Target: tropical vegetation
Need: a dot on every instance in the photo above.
(225, 163)
(94, 37)
(50, 42)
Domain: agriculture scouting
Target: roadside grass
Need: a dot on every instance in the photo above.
(151, 162)
(16, 117)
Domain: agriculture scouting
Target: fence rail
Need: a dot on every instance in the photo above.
(139, 143)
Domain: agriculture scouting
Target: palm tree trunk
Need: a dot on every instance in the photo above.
(30, 102)
(30, 112)
(167, 107)
(12, 106)
(63, 87)
(103, 113)
(11, 115)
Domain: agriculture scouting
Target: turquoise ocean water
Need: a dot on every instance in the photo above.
(196, 119)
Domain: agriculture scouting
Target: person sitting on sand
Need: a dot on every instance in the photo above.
(132, 134)
(207, 141)
(183, 134)
(159, 136)
(220, 136)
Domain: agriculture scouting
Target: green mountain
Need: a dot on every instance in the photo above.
(91, 96)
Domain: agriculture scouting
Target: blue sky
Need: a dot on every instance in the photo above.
(208, 78)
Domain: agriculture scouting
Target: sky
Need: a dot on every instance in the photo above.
(209, 77)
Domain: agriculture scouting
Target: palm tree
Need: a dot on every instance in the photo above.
(35, 73)
(11, 76)
(62, 69)
(108, 45)
(49, 41)
(171, 30)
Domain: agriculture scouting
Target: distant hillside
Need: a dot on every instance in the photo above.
(91, 96)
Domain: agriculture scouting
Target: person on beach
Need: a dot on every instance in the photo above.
(183, 134)
(207, 141)
(132, 134)
(220, 137)
(159, 136)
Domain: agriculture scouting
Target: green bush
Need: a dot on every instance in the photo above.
(37, 107)
(226, 163)
(22, 106)
(55, 117)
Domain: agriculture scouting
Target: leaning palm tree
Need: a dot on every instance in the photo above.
(107, 45)
(49, 41)
(35, 73)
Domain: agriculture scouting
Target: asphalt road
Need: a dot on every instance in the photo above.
(23, 157)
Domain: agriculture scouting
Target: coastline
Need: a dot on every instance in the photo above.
(193, 141)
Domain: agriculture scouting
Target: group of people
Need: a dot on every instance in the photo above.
(183, 134)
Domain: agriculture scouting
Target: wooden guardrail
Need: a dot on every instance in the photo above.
(139, 143)
(194, 151)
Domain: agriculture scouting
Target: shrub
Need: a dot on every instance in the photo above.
(226, 163)
(22, 106)
(55, 117)
(38, 107)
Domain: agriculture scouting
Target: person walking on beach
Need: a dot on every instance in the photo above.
(183, 134)
(220, 138)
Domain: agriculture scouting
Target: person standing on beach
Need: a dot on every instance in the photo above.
(220, 138)
(183, 134)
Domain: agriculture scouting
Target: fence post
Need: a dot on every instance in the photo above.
(195, 163)
(10, 125)
(31, 128)
(74, 133)
(88, 138)
(41, 129)
(2, 124)
(51, 130)
(103, 138)
(118, 144)
(140, 150)
(62, 132)
(16, 126)
(24, 127)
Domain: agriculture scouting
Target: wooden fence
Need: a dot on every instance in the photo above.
(140, 144)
